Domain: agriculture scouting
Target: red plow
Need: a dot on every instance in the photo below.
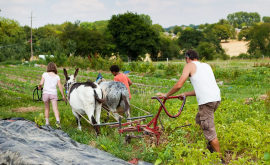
(151, 129)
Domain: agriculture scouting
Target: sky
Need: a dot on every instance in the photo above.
(164, 12)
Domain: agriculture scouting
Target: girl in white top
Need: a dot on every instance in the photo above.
(50, 80)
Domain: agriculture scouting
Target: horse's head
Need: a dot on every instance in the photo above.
(71, 79)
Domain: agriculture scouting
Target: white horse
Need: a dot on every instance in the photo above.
(84, 99)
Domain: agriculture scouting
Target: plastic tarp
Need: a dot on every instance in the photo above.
(23, 142)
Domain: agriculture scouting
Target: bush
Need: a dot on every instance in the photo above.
(171, 70)
(126, 67)
(79, 62)
(161, 66)
(152, 68)
(143, 67)
(217, 57)
(133, 66)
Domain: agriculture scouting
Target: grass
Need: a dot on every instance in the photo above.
(243, 129)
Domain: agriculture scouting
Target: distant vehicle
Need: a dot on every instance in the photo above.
(43, 56)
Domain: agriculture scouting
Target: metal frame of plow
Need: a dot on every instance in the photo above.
(147, 129)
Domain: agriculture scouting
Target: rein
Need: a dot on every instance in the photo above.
(41, 94)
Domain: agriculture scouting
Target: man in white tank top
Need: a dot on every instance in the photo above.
(207, 93)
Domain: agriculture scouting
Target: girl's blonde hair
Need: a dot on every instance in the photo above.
(52, 67)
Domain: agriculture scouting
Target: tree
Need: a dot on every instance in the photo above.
(190, 39)
(207, 50)
(240, 17)
(51, 44)
(259, 37)
(169, 47)
(201, 26)
(235, 24)
(132, 35)
(177, 29)
(12, 40)
(147, 19)
(243, 33)
(222, 32)
(157, 28)
(212, 38)
(266, 19)
(97, 25)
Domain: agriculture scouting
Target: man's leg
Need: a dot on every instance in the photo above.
(215, 144)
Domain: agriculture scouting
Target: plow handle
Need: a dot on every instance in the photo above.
(162, 105)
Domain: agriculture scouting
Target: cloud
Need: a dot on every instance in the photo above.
(18, 10)
(21, 1)
(74, 6)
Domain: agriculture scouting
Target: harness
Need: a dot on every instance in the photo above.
(96, 99)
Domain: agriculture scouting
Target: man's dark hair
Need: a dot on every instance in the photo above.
(114, 68)
(192, 54)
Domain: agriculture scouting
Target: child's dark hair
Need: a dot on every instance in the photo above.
(192, 54)
(52, 67)
(114, 68)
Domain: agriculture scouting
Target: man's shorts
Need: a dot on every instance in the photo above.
(205, 118)
(48, 97)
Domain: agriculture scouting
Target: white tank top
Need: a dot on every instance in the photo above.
(204, 84)
(50, 84)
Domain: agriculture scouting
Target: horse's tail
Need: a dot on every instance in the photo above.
(102, 100)
(127, 106)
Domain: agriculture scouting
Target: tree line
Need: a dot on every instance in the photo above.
(131, 35)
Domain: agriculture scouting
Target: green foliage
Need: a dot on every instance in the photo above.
(190, 38)
(78, 62)
(133, 66)
(171, 70)
(97, 25)
(146, 19)
(241, 17)
(259, 37)
(152, 68)
(177, 29)
(201, 26)
(157, 28)
(243, 33)
(161, 66)
(206, 50)
(221, 32)
(267, 156)
(40, 119)
(266, 19)
(169, 47)
(132, 35)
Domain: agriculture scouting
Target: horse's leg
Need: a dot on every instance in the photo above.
(89, 110)
(114, 112)
(98, 112)
(78, 119)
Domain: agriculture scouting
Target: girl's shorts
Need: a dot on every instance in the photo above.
(48, 97)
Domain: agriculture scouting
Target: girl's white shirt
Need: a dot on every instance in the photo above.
(50, 83)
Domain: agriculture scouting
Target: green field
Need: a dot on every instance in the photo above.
(243, 127)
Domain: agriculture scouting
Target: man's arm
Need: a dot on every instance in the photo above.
(129, 82)
(180, 82)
